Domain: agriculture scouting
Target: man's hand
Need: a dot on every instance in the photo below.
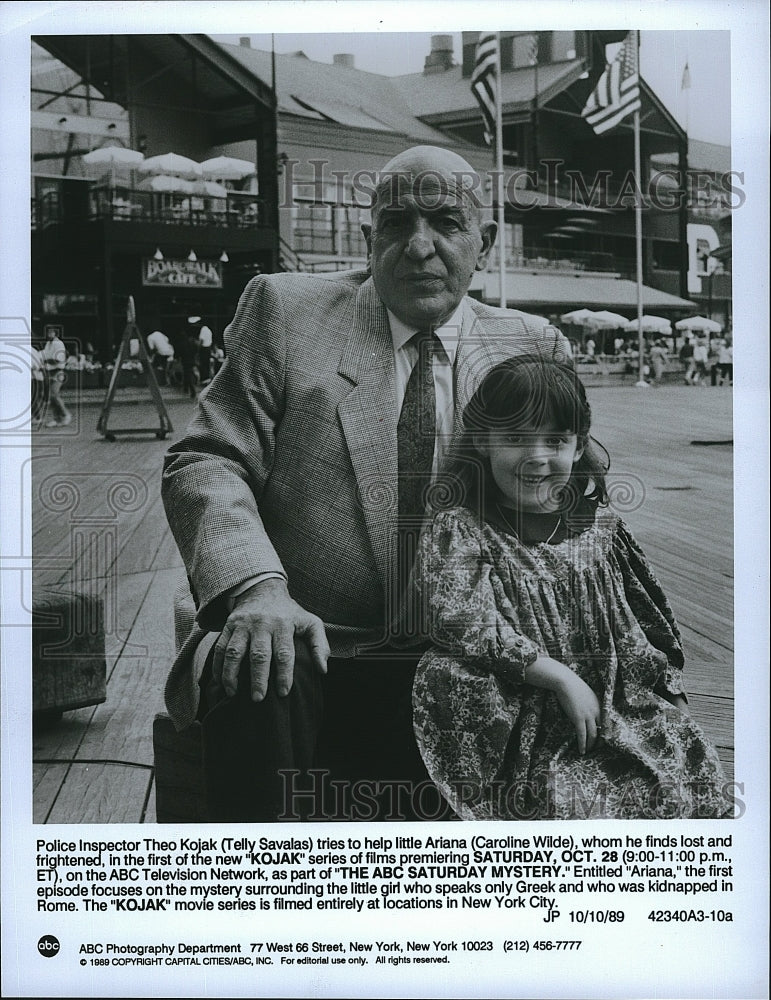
(263, 626)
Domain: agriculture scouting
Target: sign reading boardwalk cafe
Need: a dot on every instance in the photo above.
(181, 273)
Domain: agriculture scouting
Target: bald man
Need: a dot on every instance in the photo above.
(284, 499)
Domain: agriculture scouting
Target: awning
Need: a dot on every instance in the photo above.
(559, 291)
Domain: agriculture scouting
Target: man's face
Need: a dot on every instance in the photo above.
(425, 243)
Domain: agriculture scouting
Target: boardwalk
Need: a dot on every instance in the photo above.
(671, 478)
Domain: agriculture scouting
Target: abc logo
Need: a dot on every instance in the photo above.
(48, 946)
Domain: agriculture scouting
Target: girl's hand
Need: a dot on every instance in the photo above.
(582, 707)
(577, 700)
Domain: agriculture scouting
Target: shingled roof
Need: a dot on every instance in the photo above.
(341, 94)
(436, 94)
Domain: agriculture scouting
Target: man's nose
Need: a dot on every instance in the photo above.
(420, 243)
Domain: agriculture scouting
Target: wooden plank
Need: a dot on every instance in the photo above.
(686, 534)
(139, 545)
(46, 785)
(167, 555)
(715, 716)
(102, 793)
(60, 742)
(120, 729)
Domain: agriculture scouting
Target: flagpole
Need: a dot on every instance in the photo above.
(638, 236)
(499, 172)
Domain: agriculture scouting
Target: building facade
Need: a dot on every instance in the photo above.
(315, 133)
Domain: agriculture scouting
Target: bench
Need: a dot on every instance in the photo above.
(69, 666)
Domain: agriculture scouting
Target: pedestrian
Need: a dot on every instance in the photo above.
(686, 357)
(658, 362)
(55, 358)
(205, 338)
(188, 355)
(589, 347)
(713, 359)
(37, 386)
(726, 362)
(553, 688)
(162, 355)
(296, 497)
(700, 356)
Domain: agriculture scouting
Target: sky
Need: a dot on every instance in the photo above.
(704, 109)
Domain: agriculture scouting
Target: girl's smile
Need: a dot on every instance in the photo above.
(531, 466)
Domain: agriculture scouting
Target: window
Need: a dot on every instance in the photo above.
(312, 228)
(666, 255)
(563, 46)
(525, 51)
(351, 238)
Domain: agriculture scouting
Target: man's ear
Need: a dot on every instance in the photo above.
(488, 231)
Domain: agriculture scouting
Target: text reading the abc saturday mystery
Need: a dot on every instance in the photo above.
(548, 874)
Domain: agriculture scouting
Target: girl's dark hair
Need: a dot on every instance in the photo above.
(526, 391)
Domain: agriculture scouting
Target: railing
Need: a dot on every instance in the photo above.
(290, 260)
(547, 258)
(238, 209)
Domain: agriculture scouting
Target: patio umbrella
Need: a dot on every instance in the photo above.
(579, 317)
(210, 188)
(605, 320)
(113, 156)
(699, 323)
(161, 182)
(227, 168)
(171, 164)
(650, 324)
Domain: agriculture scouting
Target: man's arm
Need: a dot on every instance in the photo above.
(212, 485)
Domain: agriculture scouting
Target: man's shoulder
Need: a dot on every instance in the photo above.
(495, 314)
(294, 284)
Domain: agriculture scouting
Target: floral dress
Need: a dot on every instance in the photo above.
(499, 748)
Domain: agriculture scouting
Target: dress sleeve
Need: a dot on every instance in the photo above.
(464, 599)
(651, 608)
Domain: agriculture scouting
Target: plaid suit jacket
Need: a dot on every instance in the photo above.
(291, 460)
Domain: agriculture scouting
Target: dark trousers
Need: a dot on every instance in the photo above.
(339, 746)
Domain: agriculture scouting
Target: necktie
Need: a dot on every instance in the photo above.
(416, 436)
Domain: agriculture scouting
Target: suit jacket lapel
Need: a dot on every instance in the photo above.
(368, 418)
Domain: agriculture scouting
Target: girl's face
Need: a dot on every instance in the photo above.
(530, 465)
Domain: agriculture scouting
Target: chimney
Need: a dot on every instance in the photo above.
(440, 57)
(245, 42)
(346, 59)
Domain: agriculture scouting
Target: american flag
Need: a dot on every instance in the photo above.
(617, 93)
(484, 82)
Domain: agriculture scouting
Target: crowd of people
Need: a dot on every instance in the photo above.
(188, 360)
(695, 357)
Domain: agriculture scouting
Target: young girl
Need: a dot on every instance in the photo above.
(553, 688)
